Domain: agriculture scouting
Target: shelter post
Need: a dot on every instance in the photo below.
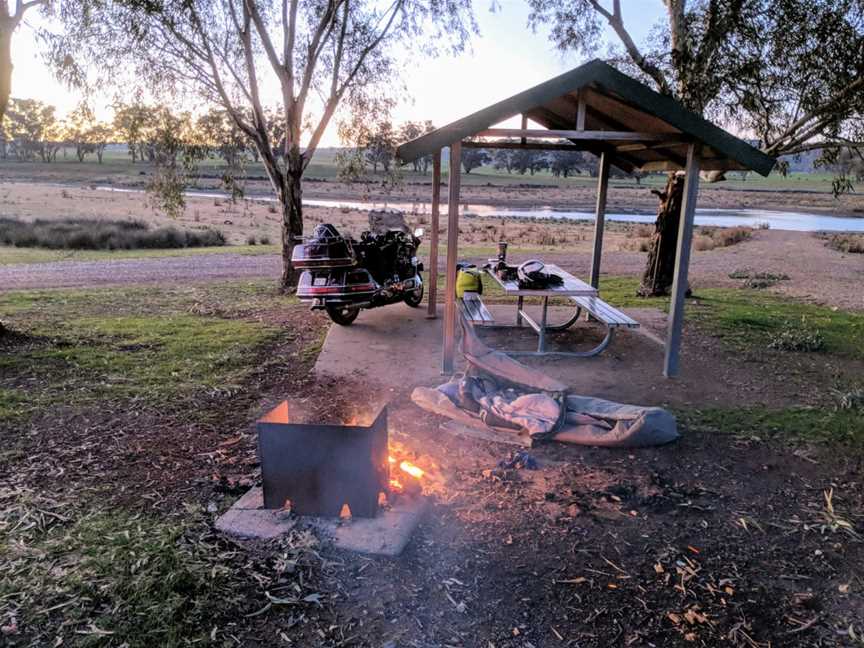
(682, 261)
(600, 217)
(453, 181)
(432, 313)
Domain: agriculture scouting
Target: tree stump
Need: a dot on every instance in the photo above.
(660, 267)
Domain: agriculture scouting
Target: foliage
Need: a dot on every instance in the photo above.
(565, 163)
(473, 158)
(322, 57)
(31, 129)
(794, 337)
(86, 234)
(848, 243)
(412, 130)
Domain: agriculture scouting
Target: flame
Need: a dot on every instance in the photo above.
(345, 513)
(415, 471)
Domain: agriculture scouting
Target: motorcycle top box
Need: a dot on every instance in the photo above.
(341, 283)
(326, 249)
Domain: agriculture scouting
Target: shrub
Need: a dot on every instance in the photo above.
(84, 234)
(250, 240)
(708, 238)
(265, 240)
(797, 338)
(848, 243)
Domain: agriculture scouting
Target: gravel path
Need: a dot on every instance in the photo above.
(165, 270)
(816, 272)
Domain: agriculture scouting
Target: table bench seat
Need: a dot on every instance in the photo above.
(603, 312)
(474, 310)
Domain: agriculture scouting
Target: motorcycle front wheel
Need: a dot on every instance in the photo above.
(342, 315)
(414, 297)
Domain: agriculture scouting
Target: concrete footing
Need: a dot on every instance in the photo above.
(387, 534)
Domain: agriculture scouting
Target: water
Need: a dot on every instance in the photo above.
(775, 219)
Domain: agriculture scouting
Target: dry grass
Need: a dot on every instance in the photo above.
(708, 238)
(847, 243)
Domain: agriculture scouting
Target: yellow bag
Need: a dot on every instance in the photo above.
(468, 280)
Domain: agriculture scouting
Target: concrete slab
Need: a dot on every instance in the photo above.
(387, 534)
(396, 346)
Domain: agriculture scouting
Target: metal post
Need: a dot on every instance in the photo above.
(432, 312)
(452, 251)
(682, 261)
(600, 218)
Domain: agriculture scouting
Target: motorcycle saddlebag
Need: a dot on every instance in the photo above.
(325, 249)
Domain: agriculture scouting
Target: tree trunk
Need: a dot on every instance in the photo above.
(291, 202)
(660, 268)
(7, 27)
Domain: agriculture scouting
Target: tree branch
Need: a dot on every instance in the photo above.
(616, 21)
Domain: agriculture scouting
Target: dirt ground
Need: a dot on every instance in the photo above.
(715, 540)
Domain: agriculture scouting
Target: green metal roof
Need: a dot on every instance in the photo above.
(614, 102)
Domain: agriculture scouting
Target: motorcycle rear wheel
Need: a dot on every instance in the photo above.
(414, 297)
(341, 315)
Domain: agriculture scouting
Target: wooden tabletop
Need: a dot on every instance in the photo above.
(571, 286)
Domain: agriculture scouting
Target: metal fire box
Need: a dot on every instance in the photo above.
(320, 468)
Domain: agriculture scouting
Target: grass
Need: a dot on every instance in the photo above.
(99, 577)
(747, 319)
(846, 243)
(817, 424)
(90, 555)
(87, 234)
(141, 344)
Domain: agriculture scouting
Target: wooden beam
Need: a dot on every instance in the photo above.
(534, 146)
(524, 125)
(452, 250)
(647, 147)
(682, 261)
(600, 136)
(580, 112)
(600, 217)
(432, 296)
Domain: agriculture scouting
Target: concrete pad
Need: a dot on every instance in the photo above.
(396, 346)
(387, 534)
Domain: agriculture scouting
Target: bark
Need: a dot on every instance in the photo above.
(660, 267)
(7, 26)
(291, 202)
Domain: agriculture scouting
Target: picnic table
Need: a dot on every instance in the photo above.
(584, 296)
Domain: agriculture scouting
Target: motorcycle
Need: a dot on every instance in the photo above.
(343, 275)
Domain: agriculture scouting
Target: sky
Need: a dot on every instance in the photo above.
(506, 58)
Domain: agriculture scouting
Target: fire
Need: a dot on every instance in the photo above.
(404, 476)
(415, 471)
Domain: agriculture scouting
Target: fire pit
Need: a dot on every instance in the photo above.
(331, 473)
(325, 470)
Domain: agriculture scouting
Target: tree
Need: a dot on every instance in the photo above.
(131, 123)
(98, 137)
(380, 146)
(790, 72)
(220, 134)
(565, 163)
(320, 55)
(413, 130)
(9, 21)
(504, 159)
(31, 128)
(529, 160)
(474, 158)
(78, 125)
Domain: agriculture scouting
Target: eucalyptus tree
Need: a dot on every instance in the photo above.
(311, 57)
(10, 18)
(789, 73)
